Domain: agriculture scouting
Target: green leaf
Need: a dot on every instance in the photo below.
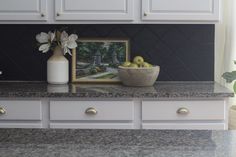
(234, 87)
(229, 76)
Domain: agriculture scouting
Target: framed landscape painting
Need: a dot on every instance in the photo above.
(97, 60)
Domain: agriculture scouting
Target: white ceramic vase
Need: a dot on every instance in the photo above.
(57, 68)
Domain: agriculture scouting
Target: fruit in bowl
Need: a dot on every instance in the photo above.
(138, 73)
(138, 60)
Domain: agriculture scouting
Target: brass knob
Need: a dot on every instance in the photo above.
(42, 15)
(2, 111)
(58, 14)
(183, 111)
(91, 111)
(145, 14)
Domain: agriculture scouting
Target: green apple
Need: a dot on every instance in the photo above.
(138, 60)
(146, 65)
(133, 65)
(150, 65)
(126, 64)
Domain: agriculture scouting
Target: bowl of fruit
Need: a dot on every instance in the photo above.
(138, 73)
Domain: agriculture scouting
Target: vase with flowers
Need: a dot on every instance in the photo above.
(60, 43)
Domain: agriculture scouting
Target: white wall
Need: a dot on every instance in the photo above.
(225, 43)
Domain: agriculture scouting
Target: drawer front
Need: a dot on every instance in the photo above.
(21, 110)
(106, 110)
(188, 110)
(185, 126)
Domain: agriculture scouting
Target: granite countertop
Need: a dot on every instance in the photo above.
(116, 143)
(159, 90)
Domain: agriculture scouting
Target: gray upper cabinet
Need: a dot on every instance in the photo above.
(181, 10)
(24, 10)
(109, 11)
(94, 10)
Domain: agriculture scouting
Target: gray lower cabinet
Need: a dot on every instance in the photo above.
(114, 114)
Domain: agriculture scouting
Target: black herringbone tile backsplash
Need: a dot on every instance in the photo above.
(184, 52)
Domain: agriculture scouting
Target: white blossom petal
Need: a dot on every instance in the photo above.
(44, 48)
(64, 44)
(73, 37)
(52, 36)
(66, 50)
(71, 44)
(64, 36)
(42, 37)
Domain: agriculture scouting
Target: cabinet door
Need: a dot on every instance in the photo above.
(24, 10)
(180, 10)
(94, 10)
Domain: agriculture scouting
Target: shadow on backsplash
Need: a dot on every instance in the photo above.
(184, 52)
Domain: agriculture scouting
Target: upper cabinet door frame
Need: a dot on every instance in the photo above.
(96, 10)
(23, 10)
(181, 10)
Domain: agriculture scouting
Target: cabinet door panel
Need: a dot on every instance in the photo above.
(182, 5)
(23, 10)
(94, 9)
(92, 125)
(88, 5)
(14, 5)
(184, 126)
(187, 10)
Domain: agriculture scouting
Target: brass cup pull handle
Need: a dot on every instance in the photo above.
(58, 14)
(145, 14)
(91, 111)
(183, 111)
(2, 111)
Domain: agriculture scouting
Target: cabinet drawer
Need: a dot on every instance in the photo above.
(21, 110)
(106, 110)
(188, 110)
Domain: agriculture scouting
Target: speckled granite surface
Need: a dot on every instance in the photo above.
(159, 90)
(116, 143)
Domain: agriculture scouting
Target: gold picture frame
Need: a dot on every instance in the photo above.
(95, 60)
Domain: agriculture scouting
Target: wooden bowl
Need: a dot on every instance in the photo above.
(138, 77)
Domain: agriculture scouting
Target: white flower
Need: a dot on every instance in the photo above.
(45, 39)
(52, 36)
(44, 48)
(68, 42)
(64, 36)
(42, 37)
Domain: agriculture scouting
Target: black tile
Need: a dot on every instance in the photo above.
(184, 52)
